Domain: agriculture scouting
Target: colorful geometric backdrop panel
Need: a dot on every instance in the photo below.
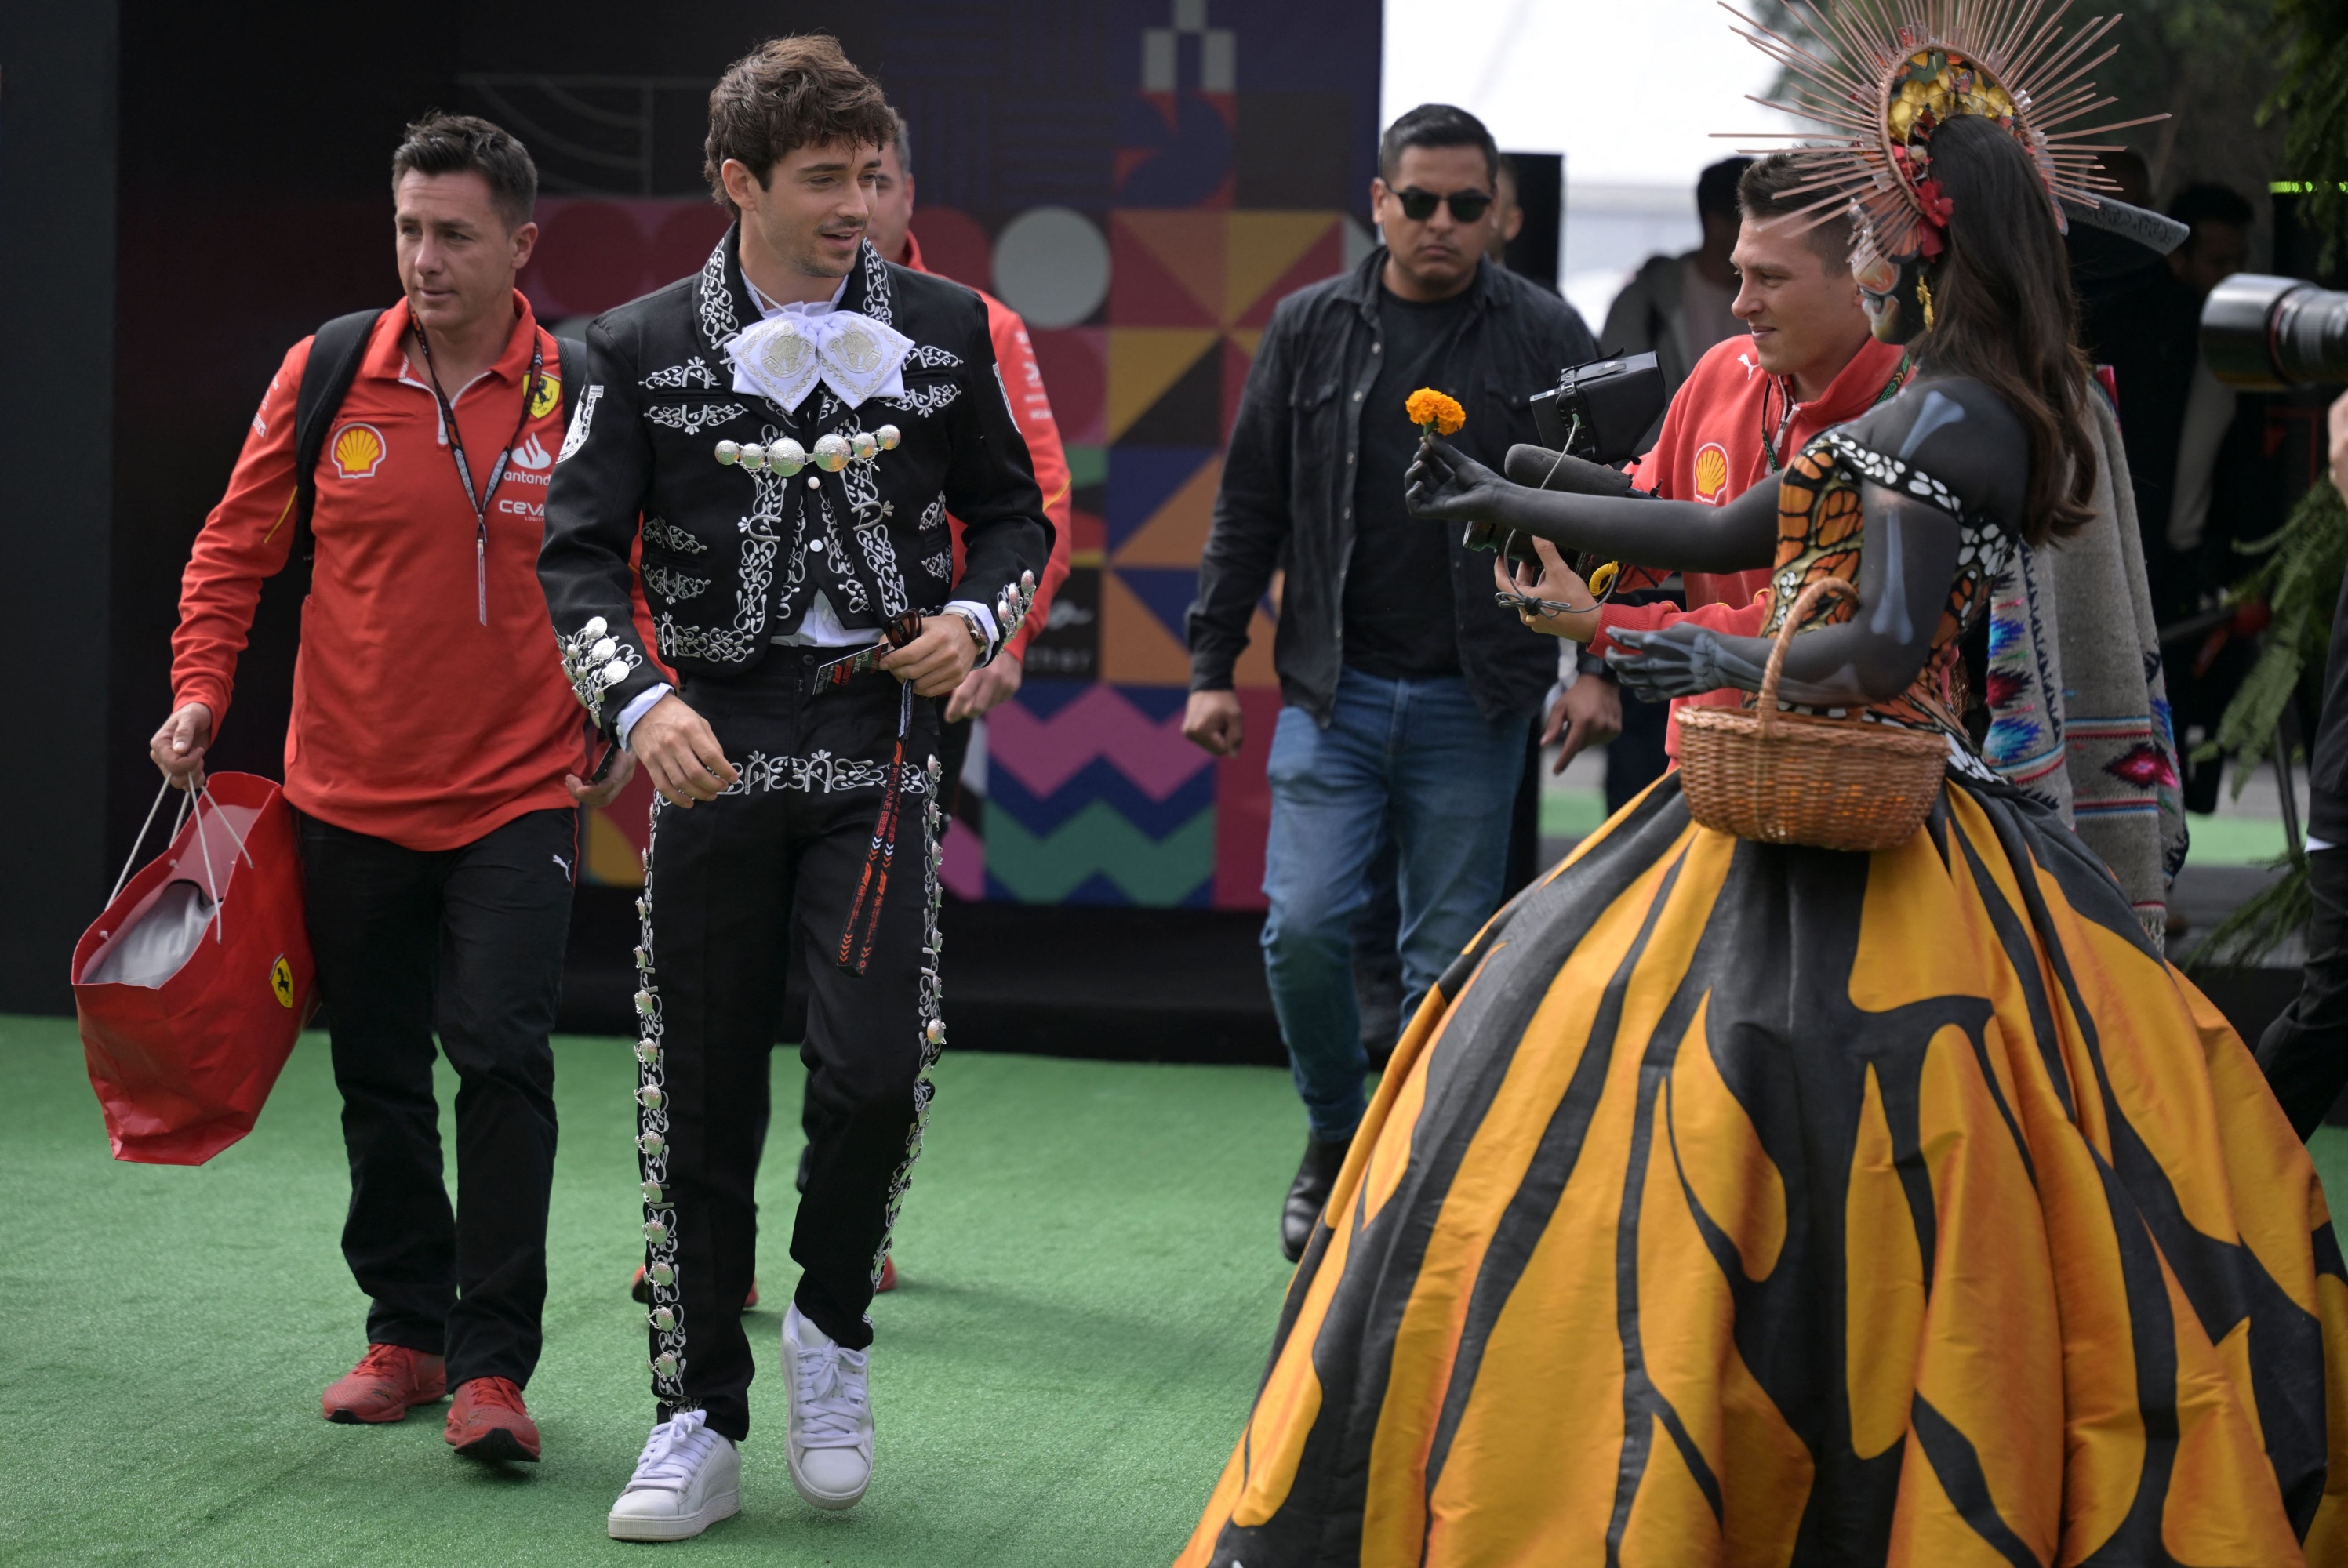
(1144, 181)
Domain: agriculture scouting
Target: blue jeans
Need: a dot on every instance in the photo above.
(1413, 758)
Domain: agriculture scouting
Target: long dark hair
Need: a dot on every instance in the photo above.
(2004, 313)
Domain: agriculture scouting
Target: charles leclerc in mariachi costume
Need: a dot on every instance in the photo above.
(789, 469)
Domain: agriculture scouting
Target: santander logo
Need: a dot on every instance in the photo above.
(532, 455)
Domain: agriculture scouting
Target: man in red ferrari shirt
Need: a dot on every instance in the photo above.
(436, 759)
(1806, 363)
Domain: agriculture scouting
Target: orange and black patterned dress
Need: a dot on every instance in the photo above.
(1740, 1204)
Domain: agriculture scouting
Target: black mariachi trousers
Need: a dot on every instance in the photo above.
(468, 942)
(728, 884)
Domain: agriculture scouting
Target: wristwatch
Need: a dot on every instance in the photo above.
(977, 632)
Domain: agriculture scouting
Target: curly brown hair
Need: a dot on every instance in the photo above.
(789, 93)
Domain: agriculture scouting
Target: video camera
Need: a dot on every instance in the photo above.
(2267, 335)
(1599, 412)
(1602, 411)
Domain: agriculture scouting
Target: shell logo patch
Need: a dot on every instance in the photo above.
(358, 451)
(281, 982)
(549, 394)
(1711, 472)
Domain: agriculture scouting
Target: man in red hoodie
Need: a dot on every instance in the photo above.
(1807, 362)
(436, 760)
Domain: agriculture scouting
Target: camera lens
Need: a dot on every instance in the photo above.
(2264, 334)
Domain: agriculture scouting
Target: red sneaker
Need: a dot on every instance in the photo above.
(888, 1280)
(641, 1294)
(388, 1382)
(488, 1421)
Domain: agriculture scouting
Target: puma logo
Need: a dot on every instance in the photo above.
(564, 865)
(1750, 364)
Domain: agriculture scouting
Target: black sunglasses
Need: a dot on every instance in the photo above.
(1467, 206)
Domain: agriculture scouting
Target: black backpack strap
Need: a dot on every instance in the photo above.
(333, 365)
(572, 355)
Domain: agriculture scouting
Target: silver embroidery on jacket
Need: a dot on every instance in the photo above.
(851, 587)
(694, 373)
(714, 302)
(662, 534)
(675, 585)
(876, 286)
(929, 397)
(755, 575)
(583, 416)
(693, 418)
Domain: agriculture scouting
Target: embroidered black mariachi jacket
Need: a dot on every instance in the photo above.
(732, 558)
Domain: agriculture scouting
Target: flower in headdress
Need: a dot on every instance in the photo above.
(1936, 209)
(1434, 412)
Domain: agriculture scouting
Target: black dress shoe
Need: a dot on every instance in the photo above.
(1315, 1177)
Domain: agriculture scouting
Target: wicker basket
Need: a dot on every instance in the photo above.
(1792, 778)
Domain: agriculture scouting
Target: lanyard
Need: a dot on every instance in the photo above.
(479, 500)
(1769, 446)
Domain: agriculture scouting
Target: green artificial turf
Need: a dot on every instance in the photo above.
(1090, 1275)
(1090, 1283)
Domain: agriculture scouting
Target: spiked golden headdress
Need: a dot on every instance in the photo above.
(1887, 72)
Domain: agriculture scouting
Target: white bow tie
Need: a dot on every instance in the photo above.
(784, 356)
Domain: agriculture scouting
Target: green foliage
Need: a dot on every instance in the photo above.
(2262, 924)
(2300, 580)
(2314, 98)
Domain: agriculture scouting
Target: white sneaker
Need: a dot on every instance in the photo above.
(831, 1438)
(688, 1478)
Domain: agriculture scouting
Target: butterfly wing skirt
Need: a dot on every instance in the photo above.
(1733, 1203)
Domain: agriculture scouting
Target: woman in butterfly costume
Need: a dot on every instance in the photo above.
(1742, 1202)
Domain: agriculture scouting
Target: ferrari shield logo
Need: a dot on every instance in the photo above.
(548, 393)
(280, 981)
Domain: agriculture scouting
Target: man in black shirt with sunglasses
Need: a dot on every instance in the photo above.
(1407, 692)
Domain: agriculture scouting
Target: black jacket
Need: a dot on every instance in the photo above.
(1287, 494)
(733, 559)
(2327, 763)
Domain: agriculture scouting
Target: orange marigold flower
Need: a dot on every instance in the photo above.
(1427, 406)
